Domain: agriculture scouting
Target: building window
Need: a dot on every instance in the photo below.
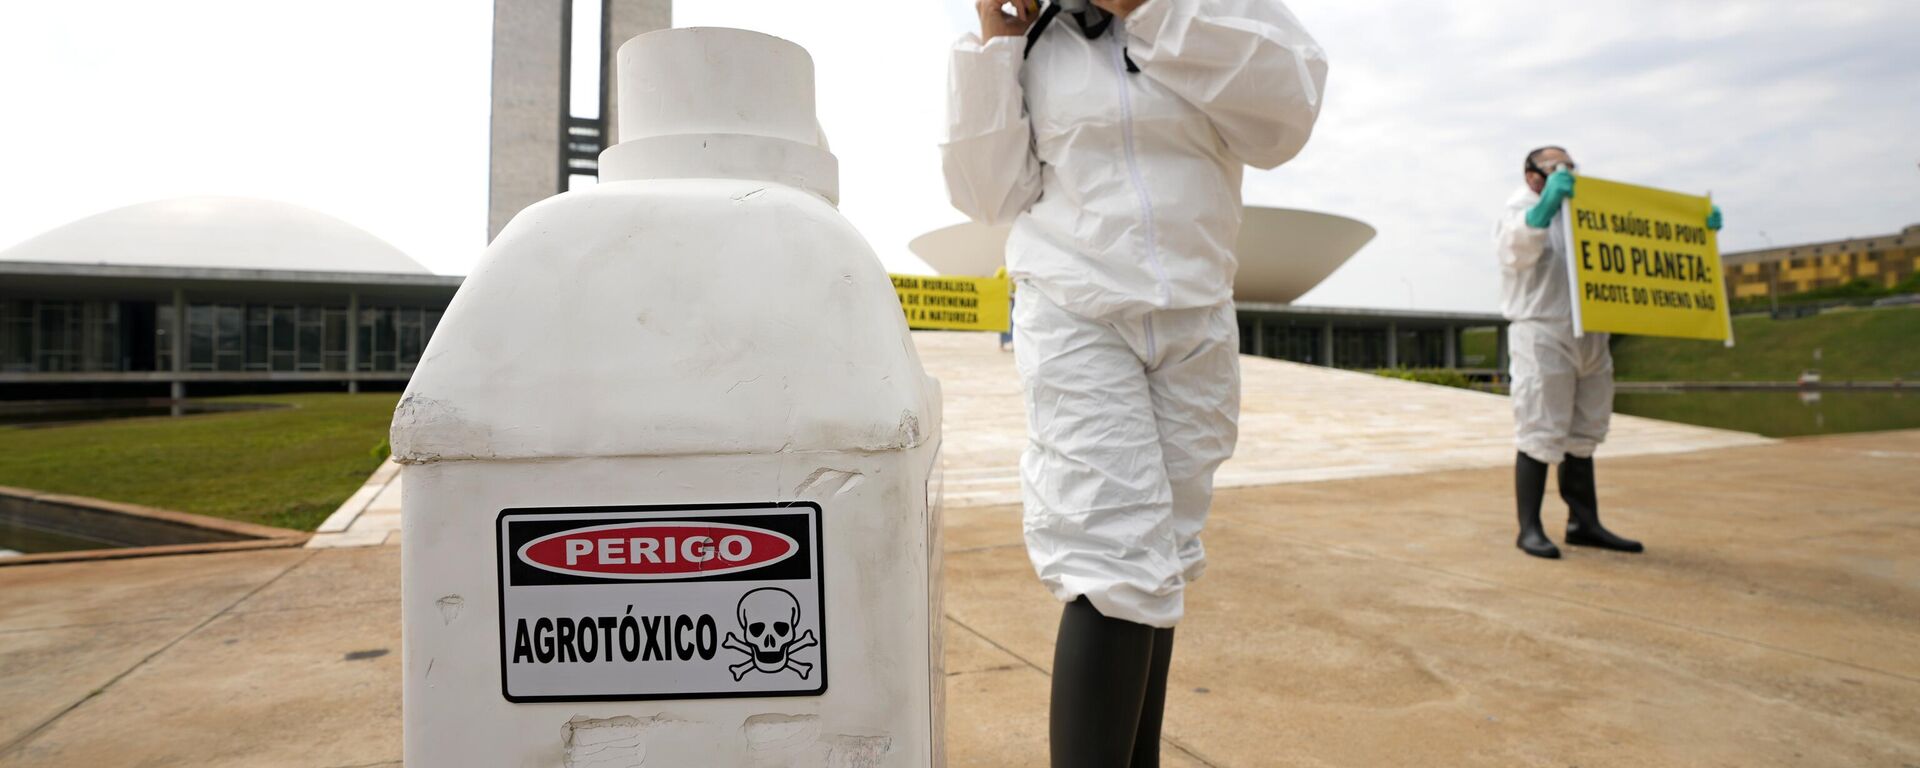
(230, 337)
(56, 336)
(259, 338)
(56, 323)
(333, 344)
(1360, 347)
(1423, 348)
(283, 338)
(311, 330)
(376, 339)
(255, 337)
(392, 339)
(59, 336)
(16, 335)
(199, 337)
(164, 333)
(412, 338)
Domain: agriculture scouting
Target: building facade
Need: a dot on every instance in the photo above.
(1368, 338)
(133, 330)
(553, 98)
(219, 293)
(1885, 260)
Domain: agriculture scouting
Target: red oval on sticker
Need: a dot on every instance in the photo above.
(658, 550)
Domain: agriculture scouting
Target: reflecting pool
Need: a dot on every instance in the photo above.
(1779, 413)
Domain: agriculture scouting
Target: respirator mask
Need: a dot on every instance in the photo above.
(1093, 21)
(1563, 165)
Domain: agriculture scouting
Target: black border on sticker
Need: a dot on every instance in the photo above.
(500, 596)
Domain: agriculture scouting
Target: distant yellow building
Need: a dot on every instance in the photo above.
(1885, 259)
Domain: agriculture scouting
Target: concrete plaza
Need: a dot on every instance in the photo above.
(1364, 606)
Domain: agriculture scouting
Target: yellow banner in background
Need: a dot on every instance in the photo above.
(948, 303)
(1642, 261)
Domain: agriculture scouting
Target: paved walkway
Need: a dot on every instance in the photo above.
(370, 517)
(1774, 621)
(285, 657)
(1380, 617)
(1298, 423)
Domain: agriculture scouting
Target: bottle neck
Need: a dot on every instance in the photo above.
(724, 156)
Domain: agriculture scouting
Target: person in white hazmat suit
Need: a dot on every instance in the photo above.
(1113, 136)
(1562, 385)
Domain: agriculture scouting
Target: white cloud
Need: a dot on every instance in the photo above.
(1798, 117)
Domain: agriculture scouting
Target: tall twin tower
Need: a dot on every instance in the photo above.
(553, 94)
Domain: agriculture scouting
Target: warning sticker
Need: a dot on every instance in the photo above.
(661, 602)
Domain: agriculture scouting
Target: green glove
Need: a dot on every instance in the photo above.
(1713, 219)
(1559, 187)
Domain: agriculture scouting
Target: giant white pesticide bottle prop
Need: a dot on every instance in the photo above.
(672, 492)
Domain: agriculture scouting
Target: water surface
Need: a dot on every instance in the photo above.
(18, 538)
(1779, 413)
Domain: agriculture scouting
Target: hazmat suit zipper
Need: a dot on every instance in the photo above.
(1153, 353)
(1133, 167)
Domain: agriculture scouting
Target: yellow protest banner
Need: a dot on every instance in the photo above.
(1642, 261)
(953, 303)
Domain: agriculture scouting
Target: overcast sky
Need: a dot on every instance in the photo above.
(1802, 119)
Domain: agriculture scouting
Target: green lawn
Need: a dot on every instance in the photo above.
(285, 467)
(1864, 345)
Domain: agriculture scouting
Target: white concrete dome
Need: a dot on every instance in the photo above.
(1283, 252)
(218, 233)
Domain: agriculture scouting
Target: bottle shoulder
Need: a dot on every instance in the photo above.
(669, 317)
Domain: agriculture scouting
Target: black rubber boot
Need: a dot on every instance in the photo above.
(1529, 487)
(1101, 668)
(1583, 507)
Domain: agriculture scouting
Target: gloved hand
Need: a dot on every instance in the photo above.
(1713, 219)
(996, 23)
(1559, 187)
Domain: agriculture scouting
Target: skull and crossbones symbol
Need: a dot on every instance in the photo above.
(769, 618)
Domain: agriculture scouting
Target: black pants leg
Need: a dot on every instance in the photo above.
(1146, 742)
(1103, 680)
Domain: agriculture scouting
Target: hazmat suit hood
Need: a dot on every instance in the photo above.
(1123, 187)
